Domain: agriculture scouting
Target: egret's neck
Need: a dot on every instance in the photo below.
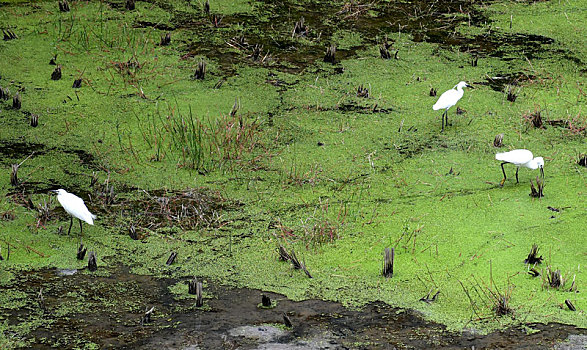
(460, 91)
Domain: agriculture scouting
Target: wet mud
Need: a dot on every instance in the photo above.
(233, 39)
(79, 309)
(17, 151)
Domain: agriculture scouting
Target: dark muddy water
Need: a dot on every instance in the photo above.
(110, 310)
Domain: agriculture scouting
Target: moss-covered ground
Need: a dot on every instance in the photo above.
(281, 151)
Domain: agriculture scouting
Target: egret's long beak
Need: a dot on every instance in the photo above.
(54, 191)
(542, 173)
(470, 86)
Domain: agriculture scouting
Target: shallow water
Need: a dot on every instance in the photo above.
(233, 318)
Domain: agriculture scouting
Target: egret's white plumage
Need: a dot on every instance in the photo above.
(520, 158)
(448, 99)
(75, 207)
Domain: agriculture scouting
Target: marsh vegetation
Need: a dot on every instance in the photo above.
(238, 148)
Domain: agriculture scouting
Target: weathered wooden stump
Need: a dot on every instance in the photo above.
(132, 232)
(265, 301)
(199, 291)
(498, 140)
(171, 258)
(9, 34)
(63, 6)
(384, 52)
(165, 39)
(34, 120)
(14, 175)
(92, 264)
(533, 257)
(17, 101)
(330, 54)
(147, 316)
(56, 75)
(207, 7)
(129, 5)
(362, 91)
(81, 253)
(41, 301)
(4, 93)
(511, 96)
(287, 321)
(300, 28)
(200, 72)
(388, 262)
(193, 286)
(538, 191)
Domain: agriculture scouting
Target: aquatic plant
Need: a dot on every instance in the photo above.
(221, 142)
(321, 227)
(186, 137)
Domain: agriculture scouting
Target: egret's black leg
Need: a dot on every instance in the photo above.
(517, 175)
(70, 224)
(442, 122)
(503, 170)
(81, 232)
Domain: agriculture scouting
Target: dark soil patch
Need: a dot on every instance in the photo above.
(113, 308)
(271, 25)
(498, 82)
(271, 30)
(16, 151)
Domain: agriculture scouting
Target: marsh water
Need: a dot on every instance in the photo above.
(207, 153)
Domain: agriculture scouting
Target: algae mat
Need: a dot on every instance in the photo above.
(220, 132)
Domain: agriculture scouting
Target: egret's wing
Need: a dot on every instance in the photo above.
(71, 200)
(89, 217)
(76, 207)
(447, 99)
(517, 156)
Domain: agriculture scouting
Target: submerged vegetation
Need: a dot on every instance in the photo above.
(206, 134)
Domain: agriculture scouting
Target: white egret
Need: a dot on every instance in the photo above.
(520, 157)
(448, 99)
(75, 207)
